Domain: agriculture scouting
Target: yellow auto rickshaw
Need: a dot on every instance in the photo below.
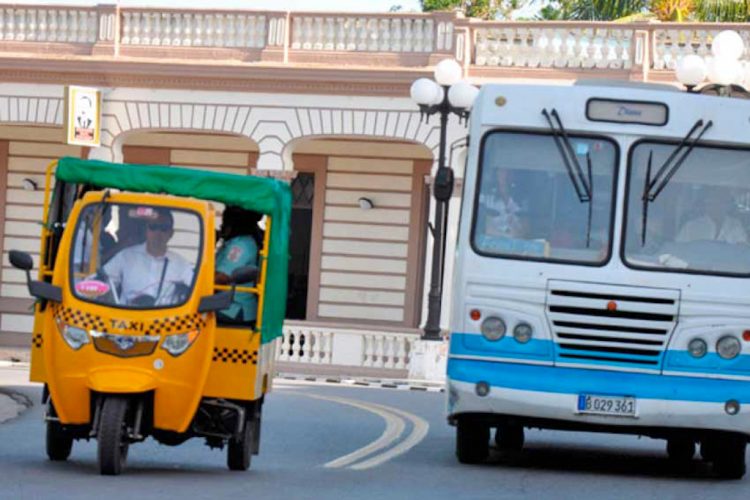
(126, 339)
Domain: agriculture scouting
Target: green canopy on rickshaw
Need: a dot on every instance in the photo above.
(265, 195)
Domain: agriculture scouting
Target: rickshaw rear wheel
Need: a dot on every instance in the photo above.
(59, 443)
(113, 437)
(240, 451)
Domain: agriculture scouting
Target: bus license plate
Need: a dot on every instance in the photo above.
(620, 406)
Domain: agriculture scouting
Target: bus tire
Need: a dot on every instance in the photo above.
(59, 443)
(472, 441)
(509, 437)
(680, 450)
(730, 462)
(112, 452)
(240, 451)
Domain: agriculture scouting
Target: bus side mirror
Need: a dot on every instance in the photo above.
(243, 275)
(38, 289)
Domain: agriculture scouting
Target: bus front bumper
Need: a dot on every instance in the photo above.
(547, 396)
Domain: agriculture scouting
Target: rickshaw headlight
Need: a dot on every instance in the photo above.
(728, 347)
(178, 343)
(75, 337)
(493, 328)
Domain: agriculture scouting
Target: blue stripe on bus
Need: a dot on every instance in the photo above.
(538, 378)
(507, 347)
(544, 350)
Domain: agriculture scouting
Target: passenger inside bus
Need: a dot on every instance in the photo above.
(502, 213)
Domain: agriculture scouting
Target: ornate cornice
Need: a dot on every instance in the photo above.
(193, 76)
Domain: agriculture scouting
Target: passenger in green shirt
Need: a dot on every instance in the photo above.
(240, 240)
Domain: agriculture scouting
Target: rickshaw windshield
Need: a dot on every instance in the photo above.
(135, 256)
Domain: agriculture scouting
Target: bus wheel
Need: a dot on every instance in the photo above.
(240, 451)
(112, 437)
(59, 443)
(509, 437)
(680, 450)
(472, 441)
(730, 462)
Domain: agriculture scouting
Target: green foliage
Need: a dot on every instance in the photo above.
(722, 11)
(590, 10)
(482, 9)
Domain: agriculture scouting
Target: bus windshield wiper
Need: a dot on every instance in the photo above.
(583, 185)
(583, 190)
(653, 187)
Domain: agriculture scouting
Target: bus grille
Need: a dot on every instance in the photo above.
(606, 324)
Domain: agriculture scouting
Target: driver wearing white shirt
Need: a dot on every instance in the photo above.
(716, 224)
(147, 273)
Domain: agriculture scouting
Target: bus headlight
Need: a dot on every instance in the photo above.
(493, 328)
(178, 343)
(522, 332)
(697, 348)
(728, 347)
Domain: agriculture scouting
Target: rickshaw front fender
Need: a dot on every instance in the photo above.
(121, 380)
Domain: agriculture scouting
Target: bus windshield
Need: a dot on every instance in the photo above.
(699, 221)
(527, 205)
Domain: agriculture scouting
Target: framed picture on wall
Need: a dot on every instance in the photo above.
(83, 116)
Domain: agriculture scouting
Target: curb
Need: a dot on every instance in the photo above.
(14, 364)
(398, 384)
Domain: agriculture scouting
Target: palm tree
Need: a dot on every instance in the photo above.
(590, 10)
(725, 11)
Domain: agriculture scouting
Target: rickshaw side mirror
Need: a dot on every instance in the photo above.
(244, 274)
(44, 290)
(21, 260)
(38, 289)
(215, 302)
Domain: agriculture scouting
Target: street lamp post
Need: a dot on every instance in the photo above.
(725, 72)
(447, 95)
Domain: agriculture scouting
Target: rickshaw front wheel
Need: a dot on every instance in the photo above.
(240, 451)
(59, 443)
(113, 436)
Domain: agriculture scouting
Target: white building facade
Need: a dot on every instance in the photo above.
(320, 100)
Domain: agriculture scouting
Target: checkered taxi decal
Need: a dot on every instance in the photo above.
(176, 324)
(81, 319)
(227, 355)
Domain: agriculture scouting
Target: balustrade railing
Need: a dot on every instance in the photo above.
(554, 45)
(370, 33)
(188, 29)
(318, 345)
(305, 345)
(284, 36)
(48, 24)
(670, 41)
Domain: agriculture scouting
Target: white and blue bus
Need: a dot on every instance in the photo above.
(602, 277)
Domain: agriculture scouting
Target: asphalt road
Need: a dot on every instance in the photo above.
(348, 442)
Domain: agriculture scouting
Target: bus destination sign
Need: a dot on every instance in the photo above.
(637, 112)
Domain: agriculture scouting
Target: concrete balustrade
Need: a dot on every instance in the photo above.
(49, 24)
(638, 51)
